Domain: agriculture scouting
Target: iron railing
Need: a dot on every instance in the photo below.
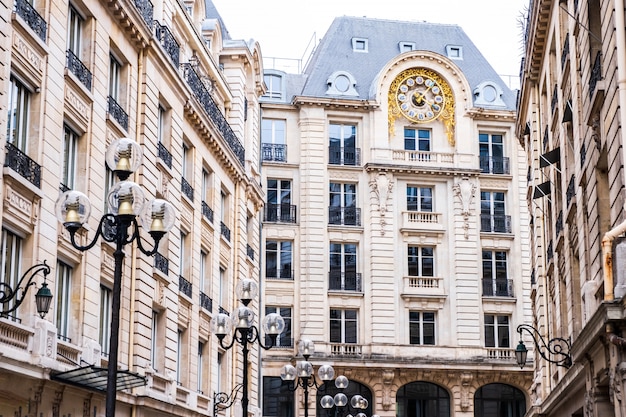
(146, 10)
(283, 272)
(494, 165)
(207, 212)
(161, 263)
(250, 252)
(225, 231)
(33, 19)
(117, 112)
(496, 223)
(186, 188)
(274, 152)
(168, 42)
(206, 302)
(596, 74)
(165, 155)
(571, 189)
(185, 286)
(206, 101)
(344, 281)
(344, 156)
(76, 67)
(497, 287)
(347, 216)
(280, 213)
(21, 163)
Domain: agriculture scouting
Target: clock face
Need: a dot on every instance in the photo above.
(420, 98)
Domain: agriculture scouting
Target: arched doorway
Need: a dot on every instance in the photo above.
(499, 400)
(422, 399)
(353, 388)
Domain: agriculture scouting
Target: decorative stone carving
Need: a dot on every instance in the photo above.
(466, 397)
(387, 400)
(382, 187)
(465, 191)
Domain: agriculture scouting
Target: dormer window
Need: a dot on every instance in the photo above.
(274, 81)
(341, 83)
(359, 44)
(406, 46)
(488, 94)
(454, 51)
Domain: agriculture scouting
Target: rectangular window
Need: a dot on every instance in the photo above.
(206, 186)
(273, 131)
(222, 287)
(274, 84)
(342, 144)
(343, 267)
(495, 275)
(109, 181)
(220, 371)
(154, 337)
(497, 331)
(278, 191)
(342, 209)
(115, 69)
(278, 399)
(200, 369)
(285, 339)
(406, 46)
(421, 261)
(422, 327)
(491, 148)
(70, 158)
(74, 32)
(18, 113)
(63, 299)
(105, 318)
(493, 216)
(183, 254)
(11, 263)
(343, 326)
(416, 140)
(187, 163)
(179, 357)
(161, 124)
(278, 259)
(204, 272)
(419, 199)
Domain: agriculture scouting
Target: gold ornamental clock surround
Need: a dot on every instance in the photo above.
(421, 96)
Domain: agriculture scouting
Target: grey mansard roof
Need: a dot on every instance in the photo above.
(335, 53)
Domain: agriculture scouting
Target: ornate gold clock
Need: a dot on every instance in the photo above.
(421, 96)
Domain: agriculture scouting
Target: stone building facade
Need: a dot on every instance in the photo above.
(571, 108)
(75, 76)
(395, 229)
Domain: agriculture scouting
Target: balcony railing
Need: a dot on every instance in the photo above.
(414, 218)
(117, 112)
(571, 189)
(222, 310)
(346, 349)
(206, 101)
(21, 163)
(274, 152)
(206, 302)
(495, 223)
(494, 165)
(284, 272)
(281, 342)
(280, 213)
(165, 155)
(161, 263)
(344, 156)
(225, 231)
(186, 188)
(558, 227)
(185, 286)
(501, 354)
(423, 282)
(347, 216)
(33, 19)
(250, 252)
(498, 288)
(76, 67)
(423, 157)
(596, 74)
(168, 42)
(565, 50)
(207, 211)
(344, 281)
(146, 10)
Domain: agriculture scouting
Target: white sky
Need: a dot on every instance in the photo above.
(284, 28)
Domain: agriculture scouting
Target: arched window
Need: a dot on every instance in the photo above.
(353, 388)
(499, 400)
(422, 399)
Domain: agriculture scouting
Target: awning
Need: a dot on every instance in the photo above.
(542, 190)
(550, 158)
(94, 377)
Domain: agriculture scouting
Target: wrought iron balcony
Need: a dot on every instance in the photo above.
(186, 188)
(495, 223)
(281, 342)
(161, 263)
(223, 311)
(76, 67)
(571, 189)
(146, 10)
(596, 74)
(33, 19)
(494, 165)
(117, 112)
(280, 213)
(206, 302)
(344, 281)
(21, 163)
(558, 227)
(250, 252)
(207, 212)
(274, 152)
(185, 286)
(165, 155)
(498, 288)
(347, 216)
(225, 231)
(206, 101)
(168, 42)
(565, 50)
(344, 156)
(282, 272)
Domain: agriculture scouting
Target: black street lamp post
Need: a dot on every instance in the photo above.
(126, 202)
(11, 296)
(556, 351)
(302, 374)
(244, 330)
